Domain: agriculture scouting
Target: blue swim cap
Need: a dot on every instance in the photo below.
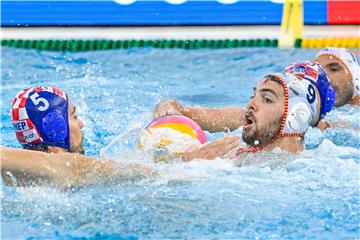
(313, 72)
(40, 116)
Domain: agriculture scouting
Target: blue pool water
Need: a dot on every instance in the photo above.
(314, 195)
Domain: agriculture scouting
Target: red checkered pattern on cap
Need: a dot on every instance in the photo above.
(311, 71)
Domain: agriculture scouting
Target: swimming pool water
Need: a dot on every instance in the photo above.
(314, 195)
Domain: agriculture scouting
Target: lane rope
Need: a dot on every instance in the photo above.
(91, 45)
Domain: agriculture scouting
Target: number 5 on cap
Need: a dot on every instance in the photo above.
(36, 99)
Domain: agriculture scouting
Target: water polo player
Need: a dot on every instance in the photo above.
(342, 68)
(277, 116)
(231, 118)
(45, 120)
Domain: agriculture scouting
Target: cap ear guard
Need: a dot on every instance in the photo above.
(54, 126)
(299, 116)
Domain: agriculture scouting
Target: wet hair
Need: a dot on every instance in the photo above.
(272, 78)
(37, 147)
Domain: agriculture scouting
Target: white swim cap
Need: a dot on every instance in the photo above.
(348, 59)
(300, 104)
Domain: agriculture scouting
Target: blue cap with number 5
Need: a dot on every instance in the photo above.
(313, 72)
(40, 116)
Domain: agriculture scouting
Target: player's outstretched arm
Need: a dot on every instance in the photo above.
(68, 169)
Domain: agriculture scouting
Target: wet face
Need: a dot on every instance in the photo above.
(340, 78)
(76, 136)
(264, 113)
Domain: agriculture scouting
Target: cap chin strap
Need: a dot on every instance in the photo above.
(254, 149)
(245, 150)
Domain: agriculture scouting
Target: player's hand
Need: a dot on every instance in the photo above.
(323, 125)
(167, 107)
(212, 150)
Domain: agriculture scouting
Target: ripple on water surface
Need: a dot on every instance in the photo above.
(314, 195)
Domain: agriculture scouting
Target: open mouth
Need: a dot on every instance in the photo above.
(248, 120)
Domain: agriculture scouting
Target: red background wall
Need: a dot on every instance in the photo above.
(343, 12)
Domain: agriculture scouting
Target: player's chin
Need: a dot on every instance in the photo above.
(81, 150)
(78, 149)
(248, 136)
